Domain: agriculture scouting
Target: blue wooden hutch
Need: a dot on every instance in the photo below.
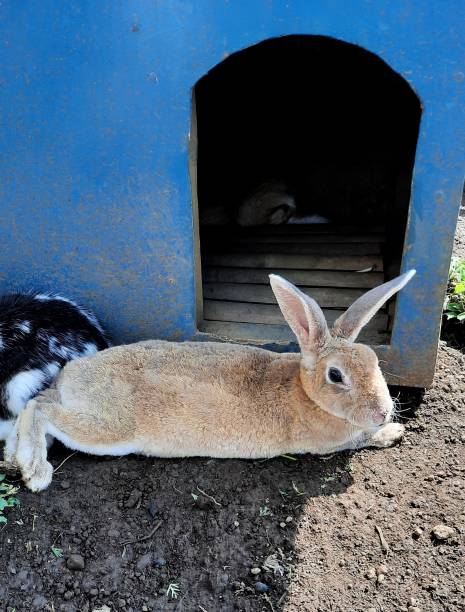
(122, 120)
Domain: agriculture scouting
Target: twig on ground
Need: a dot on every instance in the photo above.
(280, 600)
(146, 537)
(64, 461)
(268, 600)
(209, 496)
(384, 545)
(289, 457)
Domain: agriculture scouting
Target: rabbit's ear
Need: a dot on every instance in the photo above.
(303, 315)
(349, 324)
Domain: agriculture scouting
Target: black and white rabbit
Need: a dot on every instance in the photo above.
(39, 333)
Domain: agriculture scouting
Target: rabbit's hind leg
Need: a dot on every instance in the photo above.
(31, 450)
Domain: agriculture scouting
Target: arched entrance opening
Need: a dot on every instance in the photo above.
(305, 149)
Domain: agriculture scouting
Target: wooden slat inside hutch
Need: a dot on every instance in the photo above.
(334, 265)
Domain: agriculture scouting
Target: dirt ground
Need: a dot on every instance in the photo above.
(308, 531)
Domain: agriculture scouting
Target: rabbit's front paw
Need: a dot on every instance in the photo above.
(388, 435)
(40, 477)
(36, 471)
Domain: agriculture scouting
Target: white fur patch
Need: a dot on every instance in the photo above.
(5, 429)
(89, 349)
(116, 450)
(63, 351)
(44, 297)
(53, 369)
(24, 326)
(70, 353)
(21, 388)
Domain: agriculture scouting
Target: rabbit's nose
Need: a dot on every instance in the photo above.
(382, 415)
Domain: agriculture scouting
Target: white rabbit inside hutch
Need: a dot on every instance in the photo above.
(304, 149)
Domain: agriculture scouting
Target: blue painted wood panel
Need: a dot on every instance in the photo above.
(95, 113)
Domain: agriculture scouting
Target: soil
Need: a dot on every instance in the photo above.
(130, 527)
(459, 240)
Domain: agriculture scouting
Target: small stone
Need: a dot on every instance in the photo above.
(382, 569)
(371, 573)
(159, 562)
(68, 595)
(255, 571)
(381, 578)
(75, 562)
(282, 524)
(413, 609)
(39, 602)
(371, 610)
(152, 508)
(443, 532)
(417, 532)
(133, 499)
(65, 484)
(261, 587)
(412, 601)
(236, 523)
(289, 519)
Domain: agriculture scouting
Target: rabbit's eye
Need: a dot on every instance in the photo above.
(335, 375)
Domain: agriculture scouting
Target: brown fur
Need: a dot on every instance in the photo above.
(211, 399)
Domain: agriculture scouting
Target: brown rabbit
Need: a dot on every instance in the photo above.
(187, 399)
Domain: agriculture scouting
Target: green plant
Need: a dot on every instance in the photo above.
(7, 497)
(58, 552)
(454, 303)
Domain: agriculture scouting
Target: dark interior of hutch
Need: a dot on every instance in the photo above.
(336, 129)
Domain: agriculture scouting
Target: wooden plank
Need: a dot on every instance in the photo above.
(327, 297)
(243, 312)
(308, 278)
(299, 249)
(291, 229)
(297, 238)
(257, 333)
(297, 262)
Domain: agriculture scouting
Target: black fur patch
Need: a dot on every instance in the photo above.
(36, 333)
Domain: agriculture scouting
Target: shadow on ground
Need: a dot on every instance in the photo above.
(216, 521)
